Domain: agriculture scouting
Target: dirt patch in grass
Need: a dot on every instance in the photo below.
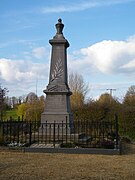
(41, 166)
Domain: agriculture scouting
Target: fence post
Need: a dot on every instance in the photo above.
(62, 132)
(10, 130)
(54, 134)
(18, 133)
(30, 133)
(19, 118)
(116, 129)
(2, 131)
(46, 133)
(66, 129)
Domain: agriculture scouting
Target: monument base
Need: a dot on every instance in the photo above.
(57, 117)
(56, 122)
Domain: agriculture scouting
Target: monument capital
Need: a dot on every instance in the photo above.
(59, 27)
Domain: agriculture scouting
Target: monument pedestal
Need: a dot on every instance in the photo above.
(57, 117)
(57, 107)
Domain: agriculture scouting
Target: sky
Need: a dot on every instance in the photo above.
(101, 34)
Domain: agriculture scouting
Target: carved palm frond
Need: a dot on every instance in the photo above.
(58, 71)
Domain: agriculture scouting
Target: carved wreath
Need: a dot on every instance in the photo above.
(58, 71)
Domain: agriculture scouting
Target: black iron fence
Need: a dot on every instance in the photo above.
(85, 134)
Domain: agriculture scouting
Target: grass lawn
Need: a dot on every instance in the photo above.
(11, 113)
(41, 166)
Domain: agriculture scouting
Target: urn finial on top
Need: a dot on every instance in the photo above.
(59, 26)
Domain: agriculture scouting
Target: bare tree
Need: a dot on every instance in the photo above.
(131, 91)
(79, 89)
(77, 84)
(130, 96)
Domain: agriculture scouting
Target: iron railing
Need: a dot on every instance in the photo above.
(85, 134)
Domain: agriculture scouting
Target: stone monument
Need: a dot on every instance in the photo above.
(57, 105)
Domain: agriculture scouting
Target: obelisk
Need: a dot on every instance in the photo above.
(57, 104)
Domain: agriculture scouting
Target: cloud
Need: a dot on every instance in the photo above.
(130, 65)
(108, 57)
(20, 70)
(28, 42)
(39, 52)
(82, 6)
(20, 74)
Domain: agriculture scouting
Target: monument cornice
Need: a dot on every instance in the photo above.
(59, 42)
(56, 92)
